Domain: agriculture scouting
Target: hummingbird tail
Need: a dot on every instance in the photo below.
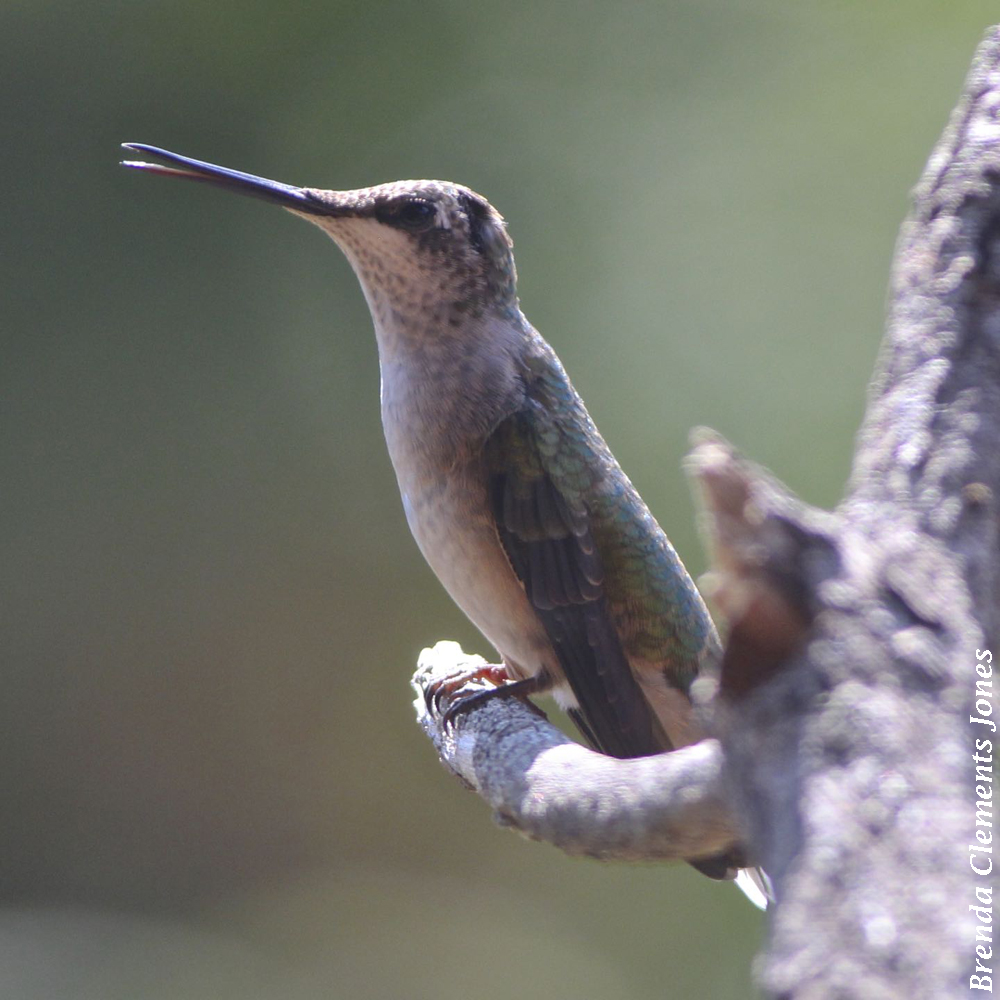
(752, 882)
(756, 886)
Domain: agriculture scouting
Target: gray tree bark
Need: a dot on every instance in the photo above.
(846, 711)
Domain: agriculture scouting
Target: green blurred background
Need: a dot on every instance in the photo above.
(211, 781)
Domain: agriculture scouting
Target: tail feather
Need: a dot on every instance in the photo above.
(756, 886)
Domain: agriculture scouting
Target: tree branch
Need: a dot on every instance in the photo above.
(549, 788)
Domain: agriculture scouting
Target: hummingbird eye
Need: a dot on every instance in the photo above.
(414, 213)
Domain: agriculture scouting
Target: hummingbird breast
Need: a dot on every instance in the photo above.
(436, 413)
(454, 528)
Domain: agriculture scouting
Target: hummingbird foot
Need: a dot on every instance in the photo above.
(509, 689)
(450, 698)
(437, 694)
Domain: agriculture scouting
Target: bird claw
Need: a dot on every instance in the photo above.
(439, 694)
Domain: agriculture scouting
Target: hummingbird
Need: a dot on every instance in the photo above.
(509, 490)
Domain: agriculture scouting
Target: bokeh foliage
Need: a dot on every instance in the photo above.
(211, 780)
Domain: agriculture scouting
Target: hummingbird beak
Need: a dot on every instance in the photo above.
(295, 198)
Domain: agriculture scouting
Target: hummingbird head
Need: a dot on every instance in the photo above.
(428, 254)
(424, 251)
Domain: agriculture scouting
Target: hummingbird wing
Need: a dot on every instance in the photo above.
(546, 532)
(574, 528)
